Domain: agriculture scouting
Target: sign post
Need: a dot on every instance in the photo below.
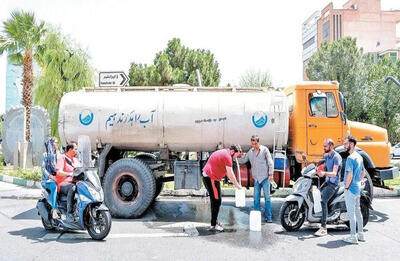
(113, 79)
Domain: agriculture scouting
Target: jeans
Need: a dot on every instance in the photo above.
(353, 211)
(326, 194)
(52, 186)
(215, 202)
(69, 190)
(257, 194)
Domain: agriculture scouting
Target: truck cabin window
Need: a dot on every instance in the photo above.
(323, 106)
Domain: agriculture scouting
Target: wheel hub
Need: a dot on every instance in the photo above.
(292, 216)
(126, 189)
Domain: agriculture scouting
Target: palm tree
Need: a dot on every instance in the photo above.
(21, 38)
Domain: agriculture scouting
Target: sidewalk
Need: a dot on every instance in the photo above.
(12, 191)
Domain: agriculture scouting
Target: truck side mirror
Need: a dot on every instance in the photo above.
(344, 117)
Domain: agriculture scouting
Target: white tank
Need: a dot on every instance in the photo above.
(180, 119)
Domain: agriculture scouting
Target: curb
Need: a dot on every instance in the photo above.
(227, 192)
(20, 181)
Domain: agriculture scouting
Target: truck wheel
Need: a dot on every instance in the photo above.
(369, 185)
(129, 188)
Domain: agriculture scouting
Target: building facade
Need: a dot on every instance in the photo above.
(374, 29)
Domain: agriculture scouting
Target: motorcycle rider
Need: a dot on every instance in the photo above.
(48, 166)
(333, 163)
(66, 163)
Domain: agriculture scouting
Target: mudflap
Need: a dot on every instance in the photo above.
(43, 212)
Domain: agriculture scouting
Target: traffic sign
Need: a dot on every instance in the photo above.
(113, 79)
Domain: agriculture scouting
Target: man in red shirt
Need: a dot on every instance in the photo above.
(66, 164)
(219, 165)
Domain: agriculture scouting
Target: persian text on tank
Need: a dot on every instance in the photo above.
(129, 119)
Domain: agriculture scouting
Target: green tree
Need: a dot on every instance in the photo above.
(65, 68)
(384, 98)
(176, 64)
(22, 39)
(255, 79)
(343, 61)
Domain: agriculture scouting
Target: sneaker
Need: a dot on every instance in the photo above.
(216, 228)
(361, 237)
(351, 239)
(269, 221)
(321, 232)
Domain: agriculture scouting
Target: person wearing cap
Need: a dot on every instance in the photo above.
(218, 165)
(262, 168)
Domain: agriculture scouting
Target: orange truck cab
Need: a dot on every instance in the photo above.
(317, 110)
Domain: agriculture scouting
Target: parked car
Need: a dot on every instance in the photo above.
(395, 151)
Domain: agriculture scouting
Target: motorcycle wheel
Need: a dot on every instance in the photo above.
(287, 216)
(46, 227)
(99, 227)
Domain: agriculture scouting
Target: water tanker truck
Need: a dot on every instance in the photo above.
(140, 135)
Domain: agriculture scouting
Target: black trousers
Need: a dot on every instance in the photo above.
(69, 190)
(215, 198)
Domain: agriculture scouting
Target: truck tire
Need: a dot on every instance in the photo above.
(129, 188)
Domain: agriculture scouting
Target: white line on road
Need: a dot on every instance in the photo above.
(73, 236)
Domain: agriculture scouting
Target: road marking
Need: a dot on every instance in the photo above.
(77, 236)
(185, 224)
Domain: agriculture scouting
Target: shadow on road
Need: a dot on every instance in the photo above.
(39, 234)
(34, 233)
(379, 217)
(31, 214)
(334, 244)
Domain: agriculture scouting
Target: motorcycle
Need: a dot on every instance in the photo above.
(90, 212)
(300, 205)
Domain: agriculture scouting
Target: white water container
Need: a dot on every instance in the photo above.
(317, 199)
(255, 220)
(240, 198)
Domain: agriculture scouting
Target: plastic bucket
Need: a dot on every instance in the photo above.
(240, 198)
(255, 220)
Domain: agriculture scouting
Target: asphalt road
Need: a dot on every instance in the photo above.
(160, 235)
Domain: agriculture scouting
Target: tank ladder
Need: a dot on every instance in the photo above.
(278, 150)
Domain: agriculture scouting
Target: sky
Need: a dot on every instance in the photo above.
(242, 34)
